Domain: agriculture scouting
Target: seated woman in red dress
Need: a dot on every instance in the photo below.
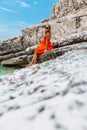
(43, 46)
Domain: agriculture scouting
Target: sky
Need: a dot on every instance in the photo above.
(18, 14)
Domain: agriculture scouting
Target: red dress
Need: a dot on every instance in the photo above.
(42, 46)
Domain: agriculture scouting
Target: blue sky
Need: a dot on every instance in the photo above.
(18, 14)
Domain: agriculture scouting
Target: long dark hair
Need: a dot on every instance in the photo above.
(49, 29)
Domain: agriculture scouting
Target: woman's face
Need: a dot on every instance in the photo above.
(47, 28)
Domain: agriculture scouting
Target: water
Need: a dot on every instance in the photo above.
(5, 70)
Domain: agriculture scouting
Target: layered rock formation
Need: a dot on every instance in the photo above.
(69, 25)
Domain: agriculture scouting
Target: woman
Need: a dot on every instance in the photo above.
(43, 46)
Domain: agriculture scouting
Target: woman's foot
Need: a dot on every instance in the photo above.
(33, 60)
(29, 64)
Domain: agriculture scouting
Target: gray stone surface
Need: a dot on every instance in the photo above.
(47, 96)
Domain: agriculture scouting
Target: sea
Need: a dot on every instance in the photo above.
(5, 70)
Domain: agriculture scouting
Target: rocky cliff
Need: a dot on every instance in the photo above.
(66, 7)
(68, 21)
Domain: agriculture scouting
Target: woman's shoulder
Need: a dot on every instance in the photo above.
(47, 35)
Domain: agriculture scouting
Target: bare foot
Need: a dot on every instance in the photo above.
(30, 64)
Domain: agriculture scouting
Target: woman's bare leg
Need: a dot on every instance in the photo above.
(34, 60)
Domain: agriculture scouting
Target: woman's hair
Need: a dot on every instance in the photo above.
(49, 29)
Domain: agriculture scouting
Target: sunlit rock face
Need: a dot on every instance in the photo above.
(65, 7)
(50, 96)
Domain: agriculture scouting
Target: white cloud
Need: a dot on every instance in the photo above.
(23, 4)
(7, 10)
(35, 3)
(18, 24)
(22, 23)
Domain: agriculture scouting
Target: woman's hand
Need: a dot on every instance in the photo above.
(36, 46)
(45, 50)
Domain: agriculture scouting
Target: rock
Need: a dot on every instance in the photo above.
(66, 7)
(45, 20)
(62, 105)
(49, 55)
(41, 109)
(15, 61)
(9, 56)
(71, 39)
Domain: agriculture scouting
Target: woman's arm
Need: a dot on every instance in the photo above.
(47, 38)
